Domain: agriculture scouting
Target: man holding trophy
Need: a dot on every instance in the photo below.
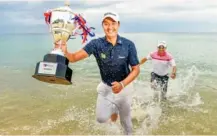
(63, 24)
(114, 54)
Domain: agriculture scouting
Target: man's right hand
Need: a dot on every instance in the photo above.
(76, 56)
(64, 49)
(116, 87)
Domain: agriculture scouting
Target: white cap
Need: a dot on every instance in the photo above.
(162, 43)
(112, 15)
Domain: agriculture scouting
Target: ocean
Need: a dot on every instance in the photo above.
(29, 106)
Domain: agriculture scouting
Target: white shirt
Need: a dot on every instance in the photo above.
(161, 64)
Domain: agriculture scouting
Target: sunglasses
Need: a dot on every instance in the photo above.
(161, 47)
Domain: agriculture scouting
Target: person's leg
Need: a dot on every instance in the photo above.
(124, 109)
(114, 117)
(164, 81)
(125, 116)
(103, 109)
(105, 104)
(153, 80)
(156, 85)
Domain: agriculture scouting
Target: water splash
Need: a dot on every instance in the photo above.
(147, 112)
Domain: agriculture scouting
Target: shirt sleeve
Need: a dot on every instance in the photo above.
(133, 58)
(149, 56)
(90, 47)
(172, 62)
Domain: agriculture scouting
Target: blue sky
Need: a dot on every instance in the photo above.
(26, 16)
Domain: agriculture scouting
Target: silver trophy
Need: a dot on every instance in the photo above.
(54, 67)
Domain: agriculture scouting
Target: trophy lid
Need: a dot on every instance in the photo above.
(67, 3)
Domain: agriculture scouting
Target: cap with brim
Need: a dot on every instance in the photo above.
(163, 43)
(111, 15)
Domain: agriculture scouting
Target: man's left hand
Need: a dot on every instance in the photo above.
(173, 75)
(116, 87)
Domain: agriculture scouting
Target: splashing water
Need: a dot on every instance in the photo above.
(147, 113)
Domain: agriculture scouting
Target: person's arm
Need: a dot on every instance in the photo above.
(132, 76)
(134, 62)
(81, 54)
(173, 74)
(118, 86)
(145, 59)
(174, 69)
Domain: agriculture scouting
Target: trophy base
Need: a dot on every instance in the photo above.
(52, 79)
(54, 69)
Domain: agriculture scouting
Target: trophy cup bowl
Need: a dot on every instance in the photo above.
(54, 67)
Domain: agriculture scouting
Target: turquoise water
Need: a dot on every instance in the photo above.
(32, 107)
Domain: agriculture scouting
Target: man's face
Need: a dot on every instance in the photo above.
(161, 49)
(110, 27)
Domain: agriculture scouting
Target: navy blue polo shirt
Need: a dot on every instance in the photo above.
(113, 61)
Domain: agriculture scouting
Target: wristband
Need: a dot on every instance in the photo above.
(122, 84)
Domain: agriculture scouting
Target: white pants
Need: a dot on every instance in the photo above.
(109, 103)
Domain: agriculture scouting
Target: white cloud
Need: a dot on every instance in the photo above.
(196, 11)
(180, 10)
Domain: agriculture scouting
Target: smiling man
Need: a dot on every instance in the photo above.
(162, 61)
(114, 55)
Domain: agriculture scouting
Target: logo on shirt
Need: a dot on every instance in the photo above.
(103, 56)
(121, 57)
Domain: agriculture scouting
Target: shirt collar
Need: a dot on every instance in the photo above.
(119, 40)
